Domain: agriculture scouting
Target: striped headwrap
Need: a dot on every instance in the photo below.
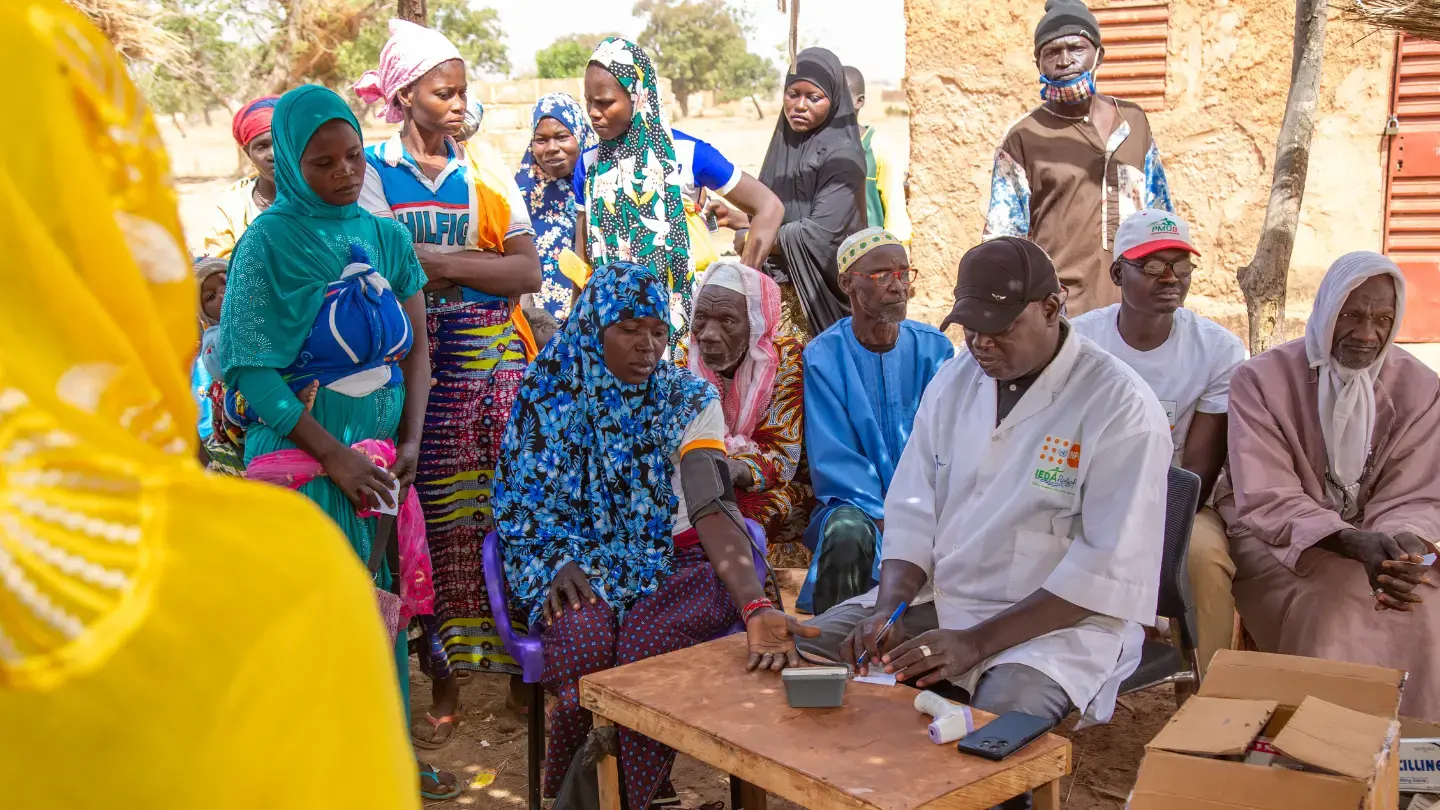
(253, 120)
(858, 244)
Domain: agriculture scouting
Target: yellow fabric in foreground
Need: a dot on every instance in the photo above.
(165, 634)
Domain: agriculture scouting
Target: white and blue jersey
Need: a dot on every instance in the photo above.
(436, 212)
(701, 166)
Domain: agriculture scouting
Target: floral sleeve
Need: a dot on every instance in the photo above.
(779, 437)
(1009, 213)
(1157, 187)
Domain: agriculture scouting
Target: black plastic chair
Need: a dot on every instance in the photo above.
(1174, 663)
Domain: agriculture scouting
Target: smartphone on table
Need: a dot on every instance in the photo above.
(1004, 735)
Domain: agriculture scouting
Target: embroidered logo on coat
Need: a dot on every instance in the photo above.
(1058, 469)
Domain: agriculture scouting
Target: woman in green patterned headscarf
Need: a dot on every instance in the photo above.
(633, 206)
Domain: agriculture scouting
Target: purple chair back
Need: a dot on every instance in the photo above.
(528, 649)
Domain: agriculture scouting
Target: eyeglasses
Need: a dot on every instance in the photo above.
(1155, 268)
(887, 277)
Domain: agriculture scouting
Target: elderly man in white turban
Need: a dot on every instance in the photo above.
(1334, 498)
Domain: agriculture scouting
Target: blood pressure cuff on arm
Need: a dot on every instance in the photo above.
(705, 477)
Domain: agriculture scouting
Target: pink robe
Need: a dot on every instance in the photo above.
(1300, 600)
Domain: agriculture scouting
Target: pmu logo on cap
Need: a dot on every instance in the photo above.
(1165, 226)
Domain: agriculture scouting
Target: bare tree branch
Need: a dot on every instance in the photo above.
(1263, 280)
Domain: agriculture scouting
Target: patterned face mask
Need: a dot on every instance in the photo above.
(1070, 91)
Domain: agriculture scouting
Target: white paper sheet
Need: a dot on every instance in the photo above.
(394, 498)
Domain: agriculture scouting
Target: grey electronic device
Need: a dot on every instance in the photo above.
(815, 687)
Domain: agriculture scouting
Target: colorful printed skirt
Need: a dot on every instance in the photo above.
(477, 361)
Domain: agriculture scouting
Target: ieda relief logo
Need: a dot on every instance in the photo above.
(1059, 467)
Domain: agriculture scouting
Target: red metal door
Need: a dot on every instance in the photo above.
(1136, 36)
(1412, 188)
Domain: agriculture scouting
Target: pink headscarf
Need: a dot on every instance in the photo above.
(411, 52)
(746, 401)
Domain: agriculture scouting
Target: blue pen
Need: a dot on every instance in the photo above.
(884, 631)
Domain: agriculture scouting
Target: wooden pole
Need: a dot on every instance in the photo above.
(1263, 280)
(794, 29)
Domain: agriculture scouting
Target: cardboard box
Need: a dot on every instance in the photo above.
(1336, 719)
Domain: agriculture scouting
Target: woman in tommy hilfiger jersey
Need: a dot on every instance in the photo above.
(472, 233)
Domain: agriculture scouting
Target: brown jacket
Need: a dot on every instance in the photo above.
(1058, 185)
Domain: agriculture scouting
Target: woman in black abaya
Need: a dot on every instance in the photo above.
(816, 167)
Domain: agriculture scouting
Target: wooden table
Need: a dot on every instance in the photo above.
(872, 753)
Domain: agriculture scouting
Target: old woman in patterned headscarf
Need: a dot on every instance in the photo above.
(759, 373)
(619, 537)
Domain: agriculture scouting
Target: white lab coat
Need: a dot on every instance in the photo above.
(1067, 494)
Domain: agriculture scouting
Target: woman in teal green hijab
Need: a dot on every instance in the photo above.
(326, 303)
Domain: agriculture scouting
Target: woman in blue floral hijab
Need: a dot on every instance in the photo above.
(590, 499)
(560, 134)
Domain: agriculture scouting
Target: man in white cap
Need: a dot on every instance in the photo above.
(1187, 361)
(1334, 446)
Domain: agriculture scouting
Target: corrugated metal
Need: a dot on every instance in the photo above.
(1136, 38)
(1417, 90)
(1412, 198)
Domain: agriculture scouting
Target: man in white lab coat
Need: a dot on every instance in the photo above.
(1025, 522)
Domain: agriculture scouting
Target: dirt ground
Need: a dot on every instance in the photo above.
(491, 741)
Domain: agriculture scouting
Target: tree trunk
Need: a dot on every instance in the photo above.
(794, 42)
(682, 96)
(759, 113)
(1263, 280)
(412, 10)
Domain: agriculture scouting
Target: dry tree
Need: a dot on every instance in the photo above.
(133, 27)
(1420, 18)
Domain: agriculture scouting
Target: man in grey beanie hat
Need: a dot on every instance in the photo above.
(1065, 18)
(1068, 173)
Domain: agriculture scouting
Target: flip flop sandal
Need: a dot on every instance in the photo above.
(428, 771)
(453, 720)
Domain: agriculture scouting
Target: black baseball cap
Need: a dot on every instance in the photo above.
(997, 280)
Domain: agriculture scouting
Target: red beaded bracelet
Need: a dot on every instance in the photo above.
(754, 607)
